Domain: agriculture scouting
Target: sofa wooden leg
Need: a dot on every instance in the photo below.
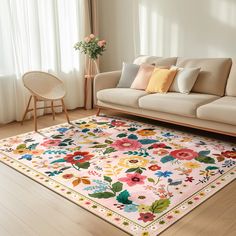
(98, 111)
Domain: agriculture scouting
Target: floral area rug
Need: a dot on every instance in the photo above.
(139, 177)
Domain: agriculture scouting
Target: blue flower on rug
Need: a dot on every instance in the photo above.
(130, 208)
(27, 157)
(163, 174)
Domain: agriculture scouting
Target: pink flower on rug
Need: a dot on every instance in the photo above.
(145, 217)
(118, 123)
(51, 142)
(126, 144)
(133, 179)
(184, 154)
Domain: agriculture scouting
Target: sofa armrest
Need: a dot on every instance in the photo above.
(103, 81)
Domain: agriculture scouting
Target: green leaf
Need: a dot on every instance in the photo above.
(205, 159)
(102, 123)
(204, 153)
(132, 129)
(109, 150)
(117, 187)
(58, 160)
(132, 136)
(151, 180)
(102, 195)
(59, 136)
(212, 168)
(21, 146)
(175, 183)
(84, 165)
(33, 146)
(107, 178)
(63, 144)
(108, 141)
(99, 146)
(67, 140)
(147, 141)
(139, 171)
(123, 197)
(160, 205)
(167, 159)
(91, 134)
(121, 135)
(131, 170)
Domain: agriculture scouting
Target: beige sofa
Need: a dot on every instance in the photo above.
(211, 105)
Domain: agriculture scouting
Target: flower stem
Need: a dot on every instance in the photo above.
(77, 168)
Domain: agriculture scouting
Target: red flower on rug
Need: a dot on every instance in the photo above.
(184, 154)
(158, 145)
(229, 154)
(118, 123)
(67, 176)
(78, 157)
(154, 167)
(133, 179)
(126, 144)
(51, 142)
(145, 217)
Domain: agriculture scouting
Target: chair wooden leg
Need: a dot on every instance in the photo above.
(65, 110)
(98, 111)
(35, 114)
(53, 111)
(26, 110)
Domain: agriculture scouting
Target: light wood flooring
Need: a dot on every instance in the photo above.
(28, 209)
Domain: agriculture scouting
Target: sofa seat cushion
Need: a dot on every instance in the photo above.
(222, 110)
(176, 103)
(122, 96)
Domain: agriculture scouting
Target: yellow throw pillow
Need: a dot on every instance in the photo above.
(161, 80)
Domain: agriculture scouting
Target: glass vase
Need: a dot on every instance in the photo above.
(92, 67)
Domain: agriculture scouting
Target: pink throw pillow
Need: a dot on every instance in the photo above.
(142, 78)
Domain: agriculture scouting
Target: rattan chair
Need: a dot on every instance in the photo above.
(44, 87)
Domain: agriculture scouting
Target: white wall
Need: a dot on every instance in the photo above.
(116, 26)
(192, 28)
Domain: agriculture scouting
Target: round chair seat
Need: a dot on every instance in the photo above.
(44, 85)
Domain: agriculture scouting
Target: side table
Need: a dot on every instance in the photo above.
(88, 91)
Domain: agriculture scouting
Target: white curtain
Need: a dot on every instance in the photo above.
(39, 35)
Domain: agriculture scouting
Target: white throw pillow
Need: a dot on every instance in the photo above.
(184, 79)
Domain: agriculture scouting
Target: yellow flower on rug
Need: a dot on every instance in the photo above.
(133, 162)
(191, 165)
(88, 126)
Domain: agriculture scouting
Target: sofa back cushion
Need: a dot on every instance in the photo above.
(213, 75)
(157, 61)
(161, 80)
(128, 74)
(142, 78)
(184, 79)
(231, 82)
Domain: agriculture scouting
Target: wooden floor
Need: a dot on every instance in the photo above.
(27, 208)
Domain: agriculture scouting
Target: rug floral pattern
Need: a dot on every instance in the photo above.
(133, 170)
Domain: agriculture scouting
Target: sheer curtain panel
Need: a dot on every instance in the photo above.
(39, 35)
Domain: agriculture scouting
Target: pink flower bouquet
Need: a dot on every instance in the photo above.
(91, 46)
